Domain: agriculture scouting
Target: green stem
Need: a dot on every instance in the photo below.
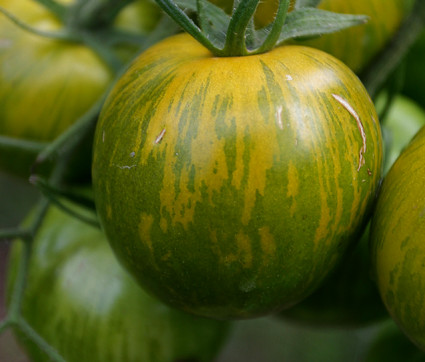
(53, 193)
(235, 39)
(20, 282)
(71, 137)
(279, 21)
(180, 17)
(387, 61)
(39, 341)
(57, 35)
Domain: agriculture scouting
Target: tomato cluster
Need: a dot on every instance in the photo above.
(210, 176)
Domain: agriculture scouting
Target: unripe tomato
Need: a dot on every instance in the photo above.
(47, 84)
(398, 240)
(230, 187)
(86, 307)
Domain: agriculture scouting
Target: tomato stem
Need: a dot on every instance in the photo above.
(39, 341)
(236, 32)
(59, 35)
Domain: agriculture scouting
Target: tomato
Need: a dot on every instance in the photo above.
(46, 84)
(230, 187)
(88, 308)
(398, 240)
(391, 345)
(349, 297)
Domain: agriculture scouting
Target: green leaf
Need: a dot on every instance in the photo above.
(306, 3)
(180, 17)
(310, 22)
(213, 21)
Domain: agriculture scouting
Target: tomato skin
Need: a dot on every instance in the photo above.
(203, 168)
(78, 295)
(397, 240)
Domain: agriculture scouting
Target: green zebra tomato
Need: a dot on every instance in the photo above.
(398, 240)
(88, 308)
(231, 187)
(47, 84)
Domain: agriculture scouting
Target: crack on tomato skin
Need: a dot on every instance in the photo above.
(125, 167)
(159, 138)
(351, 110)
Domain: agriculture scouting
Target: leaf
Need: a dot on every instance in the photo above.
(310, 22)
(306, 3)
(212, 19)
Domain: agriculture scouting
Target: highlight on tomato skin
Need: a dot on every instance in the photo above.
(264, 175)
(85, 306)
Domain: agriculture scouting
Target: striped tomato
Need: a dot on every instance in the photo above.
(46, 84)
(230, 187)
(398, 240)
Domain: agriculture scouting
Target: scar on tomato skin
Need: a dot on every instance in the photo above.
(160, 136)
(279, 117)
(125, 167)
(351, 110)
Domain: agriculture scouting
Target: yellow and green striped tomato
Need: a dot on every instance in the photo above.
(45, 84)
(87, 308)
(230, 187)
(398, 240)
